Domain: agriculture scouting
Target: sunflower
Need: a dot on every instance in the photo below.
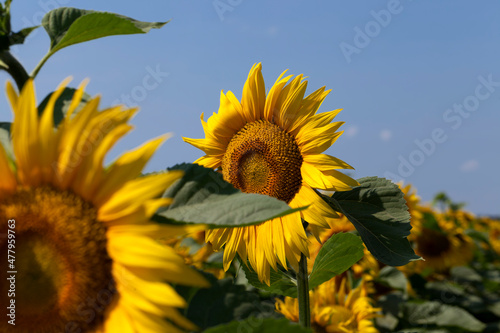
(335, 308)
(368, 268)
(196, 252)
(272, 144)
(441, 242)
(494, 234)
(85, 259)
(412, 201)
(467, 220)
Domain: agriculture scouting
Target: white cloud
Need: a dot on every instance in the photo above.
(469, 166)
(385, 135)
(351, 131)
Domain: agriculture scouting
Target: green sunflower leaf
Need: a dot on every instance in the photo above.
(201, 196)
(223, 302)
(339, 252)
(440, 315)
(5, 28)
(62, 104)
(281, 283)
(20, 36)
(378, 211)
(68, 26)
(393, 278)
(257, 324)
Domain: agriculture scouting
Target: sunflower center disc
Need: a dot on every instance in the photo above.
(61, 272)
(263, 158)
(432, 243)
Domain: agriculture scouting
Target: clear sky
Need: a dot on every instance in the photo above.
(419, 81)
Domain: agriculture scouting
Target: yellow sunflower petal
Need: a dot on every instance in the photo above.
(118, 320)
(139, 215)
(329, 180)
(217, 237)
(87, 182)
(266, 241)
(326, 162)
(323, 119)
(124, 201)
(295, 236)
(278, 241)
(77, 97)
(317, 140)
(147, 253)
(254, 94)
(48, 136)
(158, 231)
(12, 95)
(310, 106)
(148, 293)
(145, 322)
(125, 168)
(212, 162)
(232, 246)
(208, 146)
(293, 256)
(273, 96)
(316, 213)
(229, 120)
(25, 136)
(71, 131)
(290, 109)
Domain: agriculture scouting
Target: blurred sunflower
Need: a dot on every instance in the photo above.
(482, 223)
(467, 220)
(85, 257)
(413, 202)
(494, 234)
(367, 268)
(272, 144)
(335, 308)
(441, 243)
(195, 252)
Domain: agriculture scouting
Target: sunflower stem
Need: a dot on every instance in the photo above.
(10, 64)
(303, 293)
(35, 71)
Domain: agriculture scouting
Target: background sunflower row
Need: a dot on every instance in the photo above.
(456, 288)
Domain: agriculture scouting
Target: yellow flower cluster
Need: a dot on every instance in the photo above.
(79, 215)
(441, 238)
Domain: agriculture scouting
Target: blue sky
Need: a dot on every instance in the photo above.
(419, 81)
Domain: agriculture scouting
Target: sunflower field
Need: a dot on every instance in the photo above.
(262, 233)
